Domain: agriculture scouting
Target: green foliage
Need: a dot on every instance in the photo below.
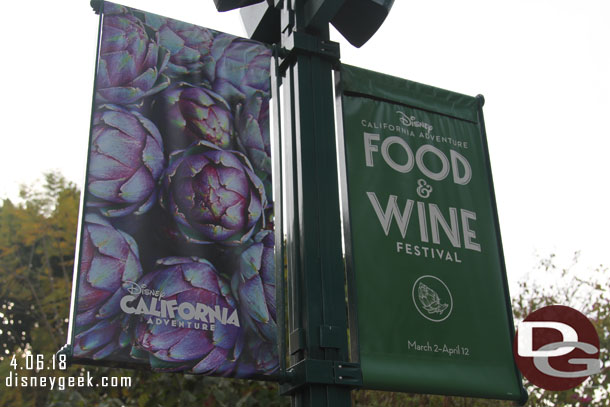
(150, 389)
(368, 398)
(37, 239)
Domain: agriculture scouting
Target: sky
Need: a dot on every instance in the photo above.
(542, 65)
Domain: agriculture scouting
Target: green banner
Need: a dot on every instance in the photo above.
(426, 264)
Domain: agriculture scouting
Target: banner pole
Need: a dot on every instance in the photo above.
(319, 372)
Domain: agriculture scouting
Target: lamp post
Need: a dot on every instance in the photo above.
(317, 325)
(319, 372)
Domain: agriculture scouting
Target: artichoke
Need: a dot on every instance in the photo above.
(112, 8)
(125, 163)
(196, 340)
(237, 68)
(109, 261)
(430, 300)
(213, 195)
(253, 284)
(187, 44)
(252, 124)
(195, 113)
(264, 355)
(102, 339)
(131, 64)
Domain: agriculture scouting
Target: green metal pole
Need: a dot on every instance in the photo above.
(320, 372)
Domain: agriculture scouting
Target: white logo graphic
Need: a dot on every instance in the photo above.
(568, 343)
(434, 304)
(164, 311)
(133, 288)
(411, 121)
(526, 338)
(430, 300)
(137, 289)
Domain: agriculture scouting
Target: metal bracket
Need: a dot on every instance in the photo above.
(97, 6)
(348, 374)
(332, 337)
(297, 341)
(287, 18)
(313, 371)
(298, 42)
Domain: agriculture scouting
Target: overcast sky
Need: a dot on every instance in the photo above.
(542, 65)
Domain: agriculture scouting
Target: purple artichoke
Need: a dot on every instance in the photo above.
(213, 195)
(252, 124)
(131, 64)
(125, 163)
(103, 338)
(254, 285)
(189, 321)
(187, 44)
(237, 68)
(193, 114)
(109, 261)
(113, 9)
(264, 355)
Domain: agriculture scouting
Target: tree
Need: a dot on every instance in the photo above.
(37, 239)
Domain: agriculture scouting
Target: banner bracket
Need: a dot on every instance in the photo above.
(297, 341)
(314, 371)
(332, 336)
(97, 6)
(298, 42)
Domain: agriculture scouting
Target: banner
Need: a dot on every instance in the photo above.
(424, 253)
(175, 270)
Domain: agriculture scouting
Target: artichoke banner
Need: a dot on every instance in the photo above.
(175, 267)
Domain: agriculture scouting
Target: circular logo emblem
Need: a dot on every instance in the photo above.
(432, 298)
(557, 348)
